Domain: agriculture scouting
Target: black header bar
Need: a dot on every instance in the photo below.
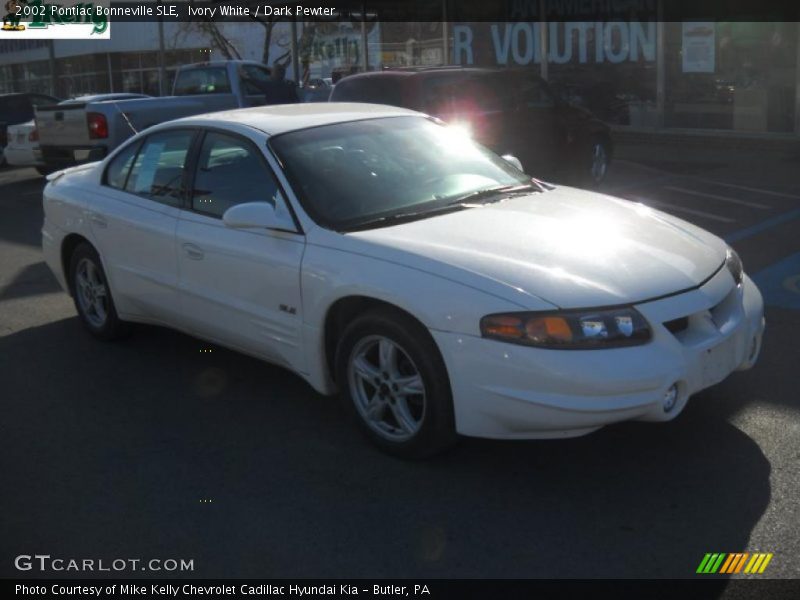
(426, 10)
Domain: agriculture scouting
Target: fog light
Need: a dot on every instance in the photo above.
(670, 398)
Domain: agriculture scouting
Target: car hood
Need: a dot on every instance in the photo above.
(569, 247)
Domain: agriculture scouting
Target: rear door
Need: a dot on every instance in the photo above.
(133, 219)
(240, 287)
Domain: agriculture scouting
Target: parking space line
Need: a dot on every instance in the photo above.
(615, 191)
(692, 211)
(750, 189)
(763, 226)
(717, 197)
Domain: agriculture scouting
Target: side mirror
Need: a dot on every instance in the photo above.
(513, 161)
(256, 215)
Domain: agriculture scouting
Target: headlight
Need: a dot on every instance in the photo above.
(569, 330)
(734, 264)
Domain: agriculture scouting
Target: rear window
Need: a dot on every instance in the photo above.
(375, 90)
(205, 80)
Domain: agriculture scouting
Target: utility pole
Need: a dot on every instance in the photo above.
(162, 72)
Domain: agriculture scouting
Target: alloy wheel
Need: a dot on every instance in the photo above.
(387, 388)
(92, 292)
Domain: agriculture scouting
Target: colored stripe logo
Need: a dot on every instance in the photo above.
(736, 562)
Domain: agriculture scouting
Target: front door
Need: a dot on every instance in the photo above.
(240, 287)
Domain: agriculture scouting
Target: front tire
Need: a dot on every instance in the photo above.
(92, 295)
(393, 380)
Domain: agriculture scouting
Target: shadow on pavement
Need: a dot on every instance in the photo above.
(33, 280)
(21, 226)
(112, 447)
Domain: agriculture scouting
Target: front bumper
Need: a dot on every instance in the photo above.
(503, 390)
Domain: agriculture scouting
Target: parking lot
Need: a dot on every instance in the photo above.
(153, 448)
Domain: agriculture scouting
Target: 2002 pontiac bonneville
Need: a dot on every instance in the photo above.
(377, 252)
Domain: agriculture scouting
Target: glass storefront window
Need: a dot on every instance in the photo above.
(737, 76)
(331, 50)
(408, 45)
(606, 67)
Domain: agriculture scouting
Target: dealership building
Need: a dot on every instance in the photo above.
(637, 67)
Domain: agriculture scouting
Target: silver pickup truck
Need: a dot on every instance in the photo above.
(88, 131)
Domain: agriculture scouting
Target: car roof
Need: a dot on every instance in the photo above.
(282, 118)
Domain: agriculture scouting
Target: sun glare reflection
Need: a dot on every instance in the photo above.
(457, 141)
(593, 236)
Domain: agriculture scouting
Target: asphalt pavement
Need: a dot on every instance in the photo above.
(151, 448)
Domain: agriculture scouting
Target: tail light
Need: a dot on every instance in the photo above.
(33, 136)
(98, 126)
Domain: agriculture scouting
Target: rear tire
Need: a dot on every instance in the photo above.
(92, 295)
(394, 382)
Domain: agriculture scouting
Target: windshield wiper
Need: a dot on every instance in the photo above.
(460, 203)
(502, 190)
(406, 216)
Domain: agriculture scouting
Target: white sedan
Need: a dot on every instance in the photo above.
(22, 149)
(380, 254)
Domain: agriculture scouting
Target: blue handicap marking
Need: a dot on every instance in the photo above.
(780, 283)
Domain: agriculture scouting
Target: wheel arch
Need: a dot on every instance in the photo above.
(342, 311)
(68, 246)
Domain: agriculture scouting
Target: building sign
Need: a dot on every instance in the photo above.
(36, 19)
(698, 47)
(567, 42)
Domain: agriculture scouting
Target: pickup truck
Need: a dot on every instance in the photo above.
(88, 131)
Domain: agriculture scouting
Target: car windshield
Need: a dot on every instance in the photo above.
(359, 173)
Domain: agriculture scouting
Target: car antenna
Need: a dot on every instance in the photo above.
(124, 116)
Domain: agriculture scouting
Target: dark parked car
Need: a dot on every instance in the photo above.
(16, 109)
(511, 111)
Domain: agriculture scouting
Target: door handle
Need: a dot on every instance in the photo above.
(98, 220)
(193, 252)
